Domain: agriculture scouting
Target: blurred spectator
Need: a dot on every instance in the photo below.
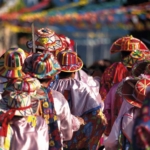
(98, 67)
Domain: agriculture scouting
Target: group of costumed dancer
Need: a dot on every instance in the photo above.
(48, 101)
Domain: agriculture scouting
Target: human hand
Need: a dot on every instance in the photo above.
(81, 120)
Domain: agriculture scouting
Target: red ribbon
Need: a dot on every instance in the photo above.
(5, 118)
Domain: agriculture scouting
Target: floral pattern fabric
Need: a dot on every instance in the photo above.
(51, 119)
(88, 136)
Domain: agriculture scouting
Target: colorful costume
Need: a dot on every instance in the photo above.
(112, 75)
(83, 102)
(92, 82)
(53, 107)
(133, 91)
(19, 124)
(141, 129)
(136, 49)
(13, 61)
(112, 105)
(47, 40)
(112, 142)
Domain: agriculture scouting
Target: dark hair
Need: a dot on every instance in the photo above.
(65, 74)
(125, 54)
(39, 51)
(45, 80)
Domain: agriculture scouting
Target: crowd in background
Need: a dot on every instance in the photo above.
(51, 100)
